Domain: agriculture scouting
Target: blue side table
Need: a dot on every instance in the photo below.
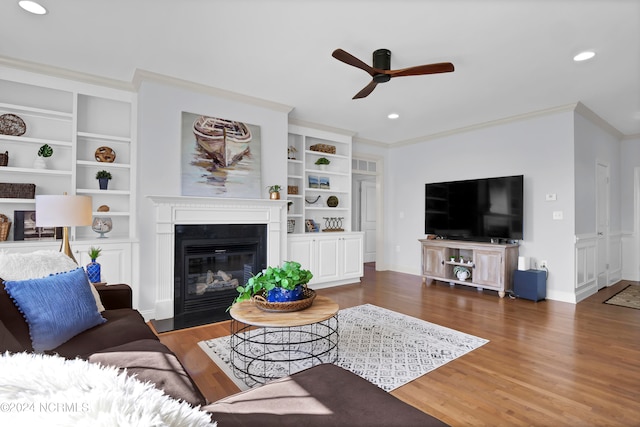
(530, 284)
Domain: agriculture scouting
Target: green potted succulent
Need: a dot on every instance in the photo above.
(103, 178)
(274, 191)
(276, 284)
(322, 162)
(44, 152)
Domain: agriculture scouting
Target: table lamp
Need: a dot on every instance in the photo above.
(63, 211)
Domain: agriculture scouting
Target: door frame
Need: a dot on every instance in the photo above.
(602, 236)
(380, 223)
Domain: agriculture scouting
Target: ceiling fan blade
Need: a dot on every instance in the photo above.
(349, 59)
(367, 90)
(441, 67)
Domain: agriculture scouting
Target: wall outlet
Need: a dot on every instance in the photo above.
(543, 263)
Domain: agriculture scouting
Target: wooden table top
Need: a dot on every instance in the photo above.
(247, 312)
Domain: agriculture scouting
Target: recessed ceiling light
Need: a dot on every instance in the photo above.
(583, 56)
(393, 116)
(33, 7)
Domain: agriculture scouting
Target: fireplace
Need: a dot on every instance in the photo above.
(211, 260)
(172, 211)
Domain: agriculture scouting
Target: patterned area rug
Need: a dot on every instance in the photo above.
(382, 346)
(628, 297)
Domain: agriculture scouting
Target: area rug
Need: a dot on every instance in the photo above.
(628, 297)
(382, 346)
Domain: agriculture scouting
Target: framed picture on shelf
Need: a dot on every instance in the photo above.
(311, 226)
(314, 181)
(25, 228)
(325, 184)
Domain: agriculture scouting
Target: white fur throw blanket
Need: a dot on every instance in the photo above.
(38, 389)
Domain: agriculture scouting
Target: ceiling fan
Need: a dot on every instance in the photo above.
(381, 70)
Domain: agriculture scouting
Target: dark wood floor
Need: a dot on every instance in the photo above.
(547, 363)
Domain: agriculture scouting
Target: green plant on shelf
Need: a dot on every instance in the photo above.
(323, 161)
(103, 175)
(45, 151)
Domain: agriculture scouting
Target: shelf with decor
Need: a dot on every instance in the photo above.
(12, 170)
(321, 171)
(74, 119)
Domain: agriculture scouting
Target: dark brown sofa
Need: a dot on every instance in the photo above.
(124, 341)
(319, 396)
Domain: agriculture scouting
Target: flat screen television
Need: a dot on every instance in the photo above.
(477, 209)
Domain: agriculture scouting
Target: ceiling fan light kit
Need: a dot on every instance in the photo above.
(381, 71)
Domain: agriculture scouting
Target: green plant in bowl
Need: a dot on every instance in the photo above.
(287, 277)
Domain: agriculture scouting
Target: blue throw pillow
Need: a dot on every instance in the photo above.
(57, 307)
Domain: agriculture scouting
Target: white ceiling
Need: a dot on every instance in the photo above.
(512, 57)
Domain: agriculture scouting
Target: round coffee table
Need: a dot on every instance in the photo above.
(269, 345)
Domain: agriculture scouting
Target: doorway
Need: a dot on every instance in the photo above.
(367, 206)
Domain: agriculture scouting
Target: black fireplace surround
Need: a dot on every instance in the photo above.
(211, 260)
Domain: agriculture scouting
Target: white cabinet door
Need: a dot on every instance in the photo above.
(332, 258)
(327, 268)
(301, 249)
(352, 256)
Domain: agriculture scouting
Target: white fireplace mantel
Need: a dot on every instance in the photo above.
(173, 210)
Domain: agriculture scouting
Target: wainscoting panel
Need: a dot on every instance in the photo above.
(585, 274)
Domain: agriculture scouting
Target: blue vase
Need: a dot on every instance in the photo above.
(285, 295)
(93, 271)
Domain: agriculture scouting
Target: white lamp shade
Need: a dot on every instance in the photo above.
(63, 211)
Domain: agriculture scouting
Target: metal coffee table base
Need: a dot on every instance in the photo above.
(259, 355)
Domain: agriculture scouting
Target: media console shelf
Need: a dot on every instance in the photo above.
(491, 265)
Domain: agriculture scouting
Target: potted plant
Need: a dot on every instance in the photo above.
(93, 268)
(276, 284)
(462, 273)
(103, 178)
(44, 152)
(322, 163)
(274, 192)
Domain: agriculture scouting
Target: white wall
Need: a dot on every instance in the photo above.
(630, 206)
(595, 144)
(158, 173)
(540, 148)
(630, 159)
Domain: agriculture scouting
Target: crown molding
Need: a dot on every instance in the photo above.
(587, 113)
(141, 76)
(65, 73)
(372, 142)
(318, 126)
(491, 123)
(629, 137)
